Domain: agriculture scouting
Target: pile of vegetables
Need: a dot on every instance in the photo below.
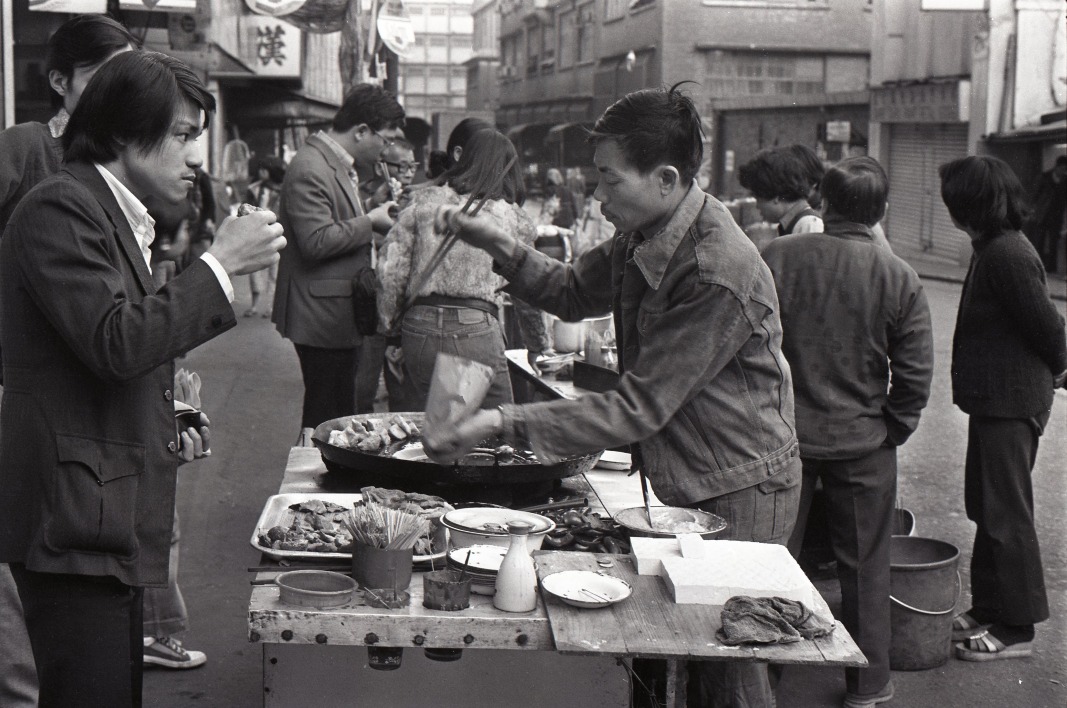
(584, 530)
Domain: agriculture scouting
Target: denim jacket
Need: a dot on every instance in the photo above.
(705, 390)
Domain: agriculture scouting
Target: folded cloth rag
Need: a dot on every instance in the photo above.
(769, 620)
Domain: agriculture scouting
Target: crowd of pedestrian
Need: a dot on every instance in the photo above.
(749, 378)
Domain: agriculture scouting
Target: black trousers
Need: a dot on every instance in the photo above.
(1007, 579)
(860, 502)
(329, 383)
(86, 634)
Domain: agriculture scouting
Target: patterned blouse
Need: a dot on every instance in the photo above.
(466, 272)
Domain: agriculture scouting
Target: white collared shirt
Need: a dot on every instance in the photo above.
(143, 226)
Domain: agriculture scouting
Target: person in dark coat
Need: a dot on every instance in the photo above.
(90, 451)
(1050, 213)
(1009, 354)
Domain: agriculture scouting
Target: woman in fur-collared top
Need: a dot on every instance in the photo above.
(458, 309)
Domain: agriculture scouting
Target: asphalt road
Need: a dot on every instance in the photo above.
(252, 391)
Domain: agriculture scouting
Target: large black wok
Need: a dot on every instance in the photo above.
(426, 472)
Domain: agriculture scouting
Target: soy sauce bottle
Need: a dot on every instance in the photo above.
(516, 582)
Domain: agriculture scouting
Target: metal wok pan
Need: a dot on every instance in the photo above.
(427, 472)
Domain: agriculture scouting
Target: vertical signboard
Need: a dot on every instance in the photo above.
(270, 47)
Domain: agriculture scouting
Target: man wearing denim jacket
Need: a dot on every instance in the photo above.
(705, 394)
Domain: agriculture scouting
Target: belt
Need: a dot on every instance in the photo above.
(471, 303)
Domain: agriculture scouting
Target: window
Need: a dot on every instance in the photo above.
(732, 74)
(415, 79)
(439, 11)
(615, 9)
(568, 38)
(438, 81)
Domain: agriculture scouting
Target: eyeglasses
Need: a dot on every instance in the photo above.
(402, 166)
(387, 142)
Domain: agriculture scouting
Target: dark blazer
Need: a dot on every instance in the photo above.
(329, 241)
(87, 433)
(1009, 341)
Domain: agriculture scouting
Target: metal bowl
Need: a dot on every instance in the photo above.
(315, 588)
(669, 521)
(424, 471)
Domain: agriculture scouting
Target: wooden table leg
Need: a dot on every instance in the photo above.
(677, 676)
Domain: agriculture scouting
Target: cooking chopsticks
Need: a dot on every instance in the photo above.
(449, 238)
(644, 495)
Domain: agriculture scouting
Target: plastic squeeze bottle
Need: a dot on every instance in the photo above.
(516, 582)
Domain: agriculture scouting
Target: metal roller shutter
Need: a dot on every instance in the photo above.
(917, 224)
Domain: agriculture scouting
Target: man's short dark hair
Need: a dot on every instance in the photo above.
(134, 99)
(84, 40)
(776, 173)
(655, 127)
(856, 189)
(370, 105)
(983, 194)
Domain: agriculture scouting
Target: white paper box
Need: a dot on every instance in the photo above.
(648, 553)
(731, 568)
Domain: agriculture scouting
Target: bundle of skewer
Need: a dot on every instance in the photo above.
(378, 526)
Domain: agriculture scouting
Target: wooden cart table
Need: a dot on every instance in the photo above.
(555, 655)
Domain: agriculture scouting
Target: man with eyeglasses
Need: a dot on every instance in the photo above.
(332, 238)
(393, 174)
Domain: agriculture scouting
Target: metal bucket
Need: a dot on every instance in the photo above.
(925, 586)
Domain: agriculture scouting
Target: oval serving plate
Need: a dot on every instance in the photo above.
(670, 521)
(584, 588)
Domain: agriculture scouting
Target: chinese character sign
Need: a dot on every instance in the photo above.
(271, 47)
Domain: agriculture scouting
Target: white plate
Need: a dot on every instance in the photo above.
(614, 460)
(484, 559)
(584, 588)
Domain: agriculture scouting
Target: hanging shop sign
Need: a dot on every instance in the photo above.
(162, 5)
(838, 131)
(271, 47)
(395, 28)
(274, 8)
(77, 6)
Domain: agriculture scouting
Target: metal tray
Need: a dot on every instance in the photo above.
(425, 471)
(276, 512)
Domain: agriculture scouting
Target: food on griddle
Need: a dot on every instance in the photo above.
(373, 434)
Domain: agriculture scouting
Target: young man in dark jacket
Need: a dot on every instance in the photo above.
(858, 339)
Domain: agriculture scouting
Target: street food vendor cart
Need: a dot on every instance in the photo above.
(555, 655)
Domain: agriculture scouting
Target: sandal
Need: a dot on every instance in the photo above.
(986, 647)
(964, 627)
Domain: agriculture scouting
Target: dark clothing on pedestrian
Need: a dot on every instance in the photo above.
(1050, 211)
(1007, 579)
(854, 317)
(860, 500)
(857, 335)
(31, 153)
(1008, 346)
(110, 611)
(1009, 339)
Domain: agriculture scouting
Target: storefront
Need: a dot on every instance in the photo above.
(923, 125)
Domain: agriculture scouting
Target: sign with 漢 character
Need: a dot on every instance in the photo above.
(271, 47)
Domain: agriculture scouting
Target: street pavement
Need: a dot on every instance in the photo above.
(252, 391)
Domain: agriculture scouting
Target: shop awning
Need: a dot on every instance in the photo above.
(527, 132)
(266, 105)
(556, 132)
(1056, 131)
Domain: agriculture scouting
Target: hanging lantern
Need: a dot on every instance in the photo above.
(315, 16)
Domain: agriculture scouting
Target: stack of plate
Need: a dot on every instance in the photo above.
(482, 565)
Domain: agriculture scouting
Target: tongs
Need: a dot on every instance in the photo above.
(449, 238)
